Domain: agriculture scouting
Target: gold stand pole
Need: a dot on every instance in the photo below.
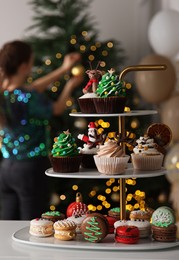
(122, 181)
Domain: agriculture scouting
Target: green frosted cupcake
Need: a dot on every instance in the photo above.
(111, 94)
(65, 156)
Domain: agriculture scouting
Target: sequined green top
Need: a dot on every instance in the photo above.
(25, 133)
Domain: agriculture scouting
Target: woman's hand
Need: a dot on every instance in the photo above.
(70, 59)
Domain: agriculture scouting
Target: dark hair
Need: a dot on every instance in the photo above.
(12, 55)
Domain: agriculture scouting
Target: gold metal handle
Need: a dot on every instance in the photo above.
(141, 68)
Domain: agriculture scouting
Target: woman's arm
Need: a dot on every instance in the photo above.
(60, 105)
(42, 83)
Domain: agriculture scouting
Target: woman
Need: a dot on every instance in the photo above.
(24, 115)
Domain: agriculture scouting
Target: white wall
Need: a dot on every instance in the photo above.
(124, 20)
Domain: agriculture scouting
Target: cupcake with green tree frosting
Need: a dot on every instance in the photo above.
(65, 155)
(111, 94)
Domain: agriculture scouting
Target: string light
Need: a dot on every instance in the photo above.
(99, 207)
(73, 41)
(66, 77)
(29, 79)
(58, 55)
(84, 33)
(39, 71)
(93, 48)
(127, 109)
(134, 123)
(48, 62)
(82, 48)
(52, 207)
(54, 89)
(104, 53)
(110, 44)
(98, 44)
(62, 197)
(75, 187)
(69, 103)
(91, 57)
(102, 64)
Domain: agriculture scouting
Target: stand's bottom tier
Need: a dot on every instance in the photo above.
(23, 236)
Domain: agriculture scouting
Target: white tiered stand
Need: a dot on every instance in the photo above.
(108, 243)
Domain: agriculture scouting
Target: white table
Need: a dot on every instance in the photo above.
(10, 249)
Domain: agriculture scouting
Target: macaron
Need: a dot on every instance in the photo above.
(143, 226)
(41, 227)
(140, 214)
(127, 234)
(64, 229)
(53, 215)
(77, 219)
(115, 212)
(94, 227)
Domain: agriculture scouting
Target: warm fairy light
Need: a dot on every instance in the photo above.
(136, 206)
(134, 123)
(91, 57)
(99, 207)
(84, 33)
(75, 187)
(57, 83)
(100, 130)
(105, 124)
(108, 190)
(137, 192)
(90, 206)
(39, 71)
(93, 208)
(104, 203)
(92, 193)
(104, 53)
(102, 64)
(108, 205)
(128, 86)
(93, 48)
(29, 79)
(100, 121)
(66, 77)
(48, 62)
(129, 197)
(103, 198)
(73, 41)
(115, 188)
(69, 103)
(52, 207)
(99, 197)
(112, 180)
(82, 47)
(62, 197)
(54, 89)
(58, 55)
(129, 207)
(110, 44)
(108, 183)
(127, 109)
(73, 36)
(98, 44)
(73, 110)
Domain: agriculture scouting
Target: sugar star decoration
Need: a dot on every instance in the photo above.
(111, 71)
(66, 132)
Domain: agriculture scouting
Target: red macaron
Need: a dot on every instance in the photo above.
(127, 234)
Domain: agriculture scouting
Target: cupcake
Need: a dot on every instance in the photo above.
(163, 225)
(86, 101)
(65, 156)
(146, 156)
(90, 147)
(110, 158)
(111, 94)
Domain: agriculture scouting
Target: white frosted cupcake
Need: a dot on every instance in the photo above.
(110, 158)
(145, 156)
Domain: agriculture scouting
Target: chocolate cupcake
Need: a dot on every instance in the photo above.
(111, 94)
(65, 156)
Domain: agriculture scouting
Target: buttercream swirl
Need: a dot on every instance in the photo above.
(110, 85)
(145, 145)
(110, 149)
(64, 145)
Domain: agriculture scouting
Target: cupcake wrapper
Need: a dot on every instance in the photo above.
(110, 104)
(66, 164)
(111, 165)
(86, 105)
(148, 162)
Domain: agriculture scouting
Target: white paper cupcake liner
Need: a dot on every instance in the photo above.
(147, 162)
(111, 165)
